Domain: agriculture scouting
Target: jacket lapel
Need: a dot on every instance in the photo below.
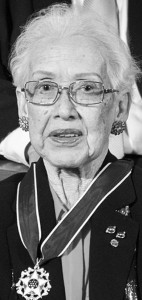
(47, 221)
(110, 265)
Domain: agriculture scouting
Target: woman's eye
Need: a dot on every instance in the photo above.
(45, 87)
(88, 88)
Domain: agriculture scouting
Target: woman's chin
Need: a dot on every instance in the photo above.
(65, 164)
(66, 160)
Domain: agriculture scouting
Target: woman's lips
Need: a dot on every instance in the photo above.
(66, 136)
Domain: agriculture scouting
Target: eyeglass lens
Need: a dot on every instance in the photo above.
(82, 92)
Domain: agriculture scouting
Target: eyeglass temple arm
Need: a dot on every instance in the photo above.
(107, 91)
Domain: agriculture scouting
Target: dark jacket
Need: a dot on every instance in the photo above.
(109, 267)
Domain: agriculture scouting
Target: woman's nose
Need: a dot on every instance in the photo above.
(66, 109)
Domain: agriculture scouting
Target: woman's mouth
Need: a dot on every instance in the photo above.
(66, 136)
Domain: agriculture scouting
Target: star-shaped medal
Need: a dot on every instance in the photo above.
(33, 283)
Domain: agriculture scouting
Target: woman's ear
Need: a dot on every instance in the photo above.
(22, 103)
(122, 107)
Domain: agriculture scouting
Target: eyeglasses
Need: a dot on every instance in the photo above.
(82, 92)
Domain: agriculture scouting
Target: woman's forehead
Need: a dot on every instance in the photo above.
(76, 54)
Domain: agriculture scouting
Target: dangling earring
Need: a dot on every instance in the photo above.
(118, 127)
(24, 123)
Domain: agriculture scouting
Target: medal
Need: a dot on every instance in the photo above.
(33, 283)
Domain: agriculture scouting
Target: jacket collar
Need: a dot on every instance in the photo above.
(126, 196)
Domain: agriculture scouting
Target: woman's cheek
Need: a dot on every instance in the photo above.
(97, 137)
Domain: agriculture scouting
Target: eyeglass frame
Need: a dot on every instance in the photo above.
(61, 88)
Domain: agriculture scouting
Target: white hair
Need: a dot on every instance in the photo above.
(60, 21)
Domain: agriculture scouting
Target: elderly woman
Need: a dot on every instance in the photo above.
(70, 228)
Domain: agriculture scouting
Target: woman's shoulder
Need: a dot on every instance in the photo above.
(137, 176)
(137, 184)
(11, 181)
(8, 191)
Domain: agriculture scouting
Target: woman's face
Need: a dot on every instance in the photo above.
(67, 134)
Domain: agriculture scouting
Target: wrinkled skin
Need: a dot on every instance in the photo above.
(64, 62)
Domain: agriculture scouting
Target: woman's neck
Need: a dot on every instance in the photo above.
(70, 184)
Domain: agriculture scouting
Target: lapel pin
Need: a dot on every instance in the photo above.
(111, 229)
(114, 243)
(121, 235)
(125, 211)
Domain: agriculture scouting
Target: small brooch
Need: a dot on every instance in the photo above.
(125, 211)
